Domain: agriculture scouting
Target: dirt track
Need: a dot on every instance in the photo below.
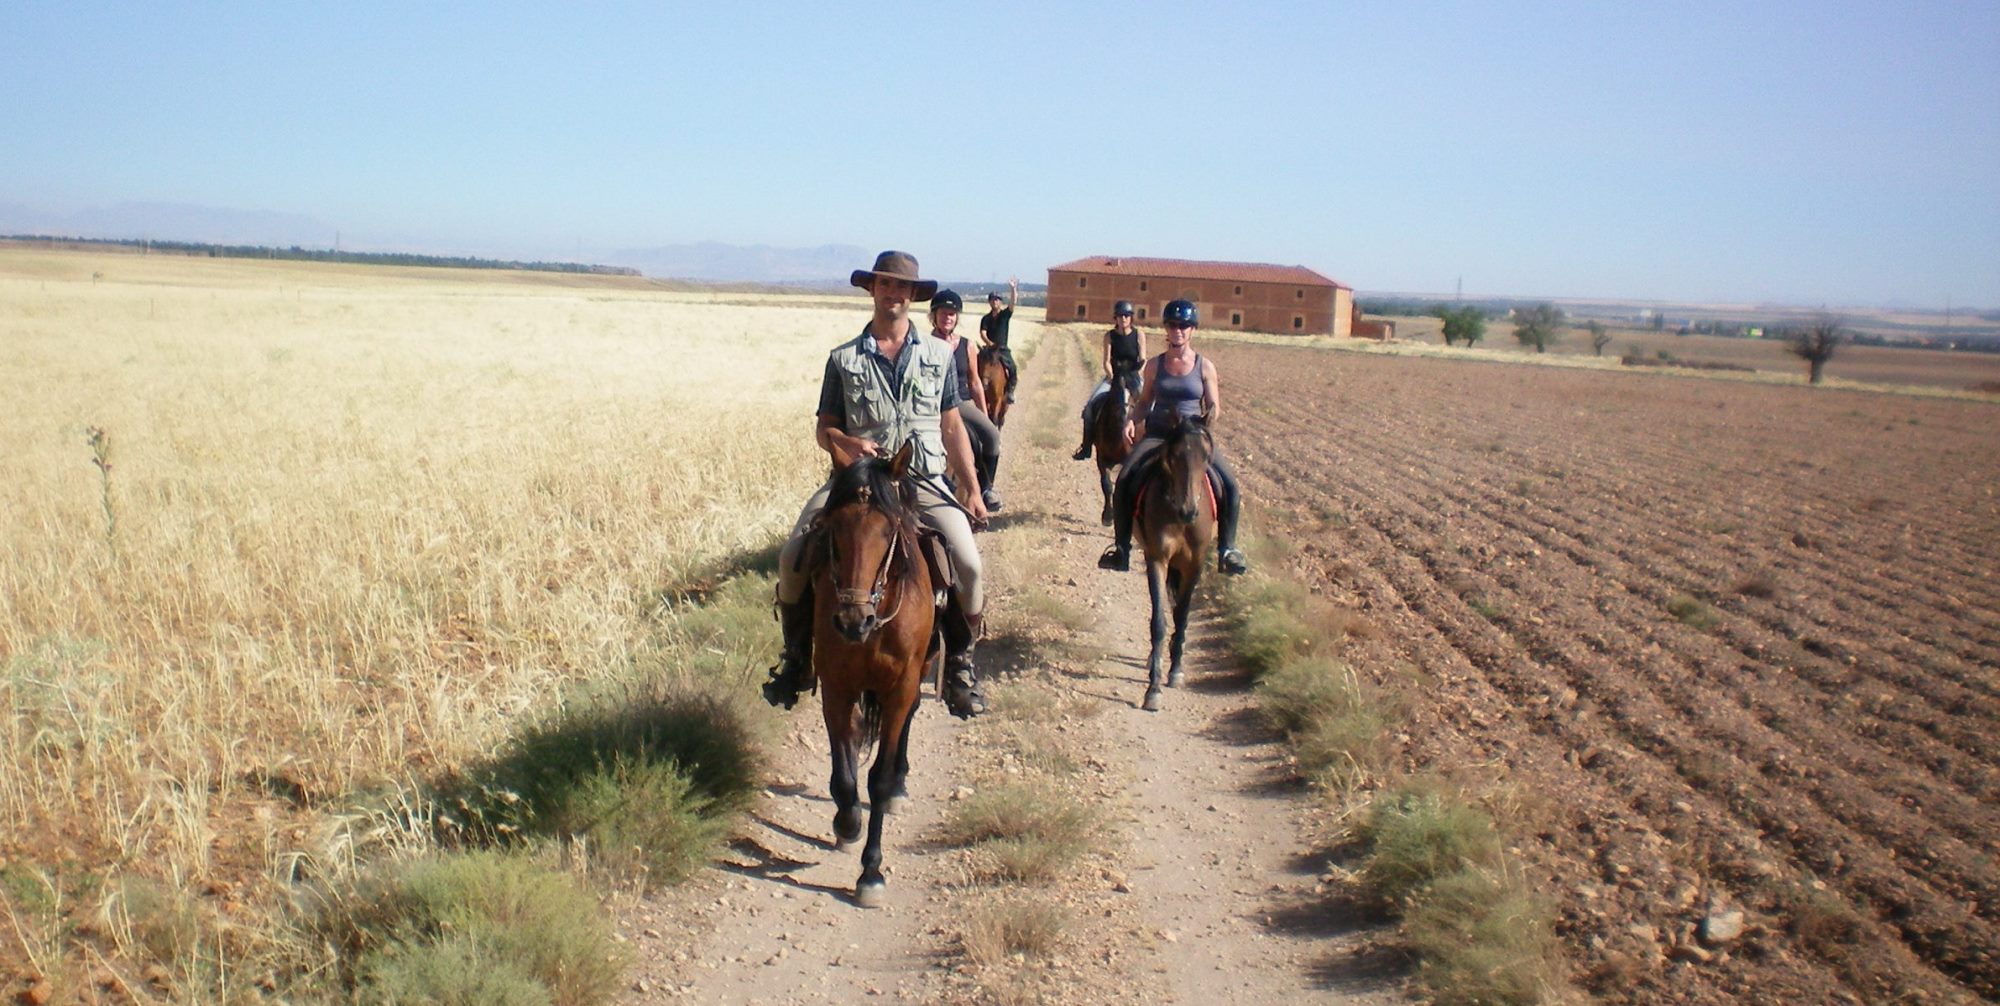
(1204, 894)
(1722, 643)
(1708, 646)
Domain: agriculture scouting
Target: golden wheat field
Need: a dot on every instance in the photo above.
(351, 523)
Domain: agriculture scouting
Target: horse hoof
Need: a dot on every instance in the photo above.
(870, 895)
(1176, 679)
(1152, 703)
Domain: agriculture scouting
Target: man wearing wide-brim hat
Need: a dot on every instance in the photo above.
(885, 388)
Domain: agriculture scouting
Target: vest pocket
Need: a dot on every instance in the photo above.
(929, 379)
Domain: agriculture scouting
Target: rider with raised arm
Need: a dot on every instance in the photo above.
(1177, 384)
(1124, 353)
(884, 388)
(993, 331)
(945, 311)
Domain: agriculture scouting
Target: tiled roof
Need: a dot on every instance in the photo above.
(1180, 268)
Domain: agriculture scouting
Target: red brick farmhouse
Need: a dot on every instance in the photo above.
(1239, 296)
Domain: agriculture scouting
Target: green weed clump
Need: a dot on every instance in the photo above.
(1269, 622)
(1692, 612)
(1334, 723)
(479, 927)
(1418, 834)
(1023, 831)
(1484, 941)
(649, 784)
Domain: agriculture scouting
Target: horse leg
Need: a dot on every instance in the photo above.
(1104, 486)
(1156, 585)
(839, 710)
(899, 790)
(871, 888)
(1183, 595)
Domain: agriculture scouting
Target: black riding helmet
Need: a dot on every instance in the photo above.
(947, 300)
(1122, 309)
(1181, 312)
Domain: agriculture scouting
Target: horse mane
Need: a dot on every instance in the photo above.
(867, 477)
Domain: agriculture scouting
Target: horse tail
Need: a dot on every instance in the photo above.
(868, 729)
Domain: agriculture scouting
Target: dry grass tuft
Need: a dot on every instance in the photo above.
(1027, 928)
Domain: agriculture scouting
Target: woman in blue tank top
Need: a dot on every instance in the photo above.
(1176, 384)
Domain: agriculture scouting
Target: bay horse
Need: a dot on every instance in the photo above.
(1107, 439)
(1175, 523)
(874, 630)
(993, 374)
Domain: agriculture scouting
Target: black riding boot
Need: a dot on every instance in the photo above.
(793, 675)
(963, 696)
(1119, 555)
(1229, 506)
(1013, 376)
(1089, 426)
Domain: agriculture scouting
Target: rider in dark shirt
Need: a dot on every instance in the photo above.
(945, 308)
(1124, 354)
(993, 331)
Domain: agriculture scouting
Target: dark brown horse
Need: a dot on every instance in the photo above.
(1175, 523)
(1107, 440)
(993, 374)
(873, 629)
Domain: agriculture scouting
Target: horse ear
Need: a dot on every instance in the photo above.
(900, 466)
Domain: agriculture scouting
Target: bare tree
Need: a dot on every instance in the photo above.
(1816, 342)
(1600, 337)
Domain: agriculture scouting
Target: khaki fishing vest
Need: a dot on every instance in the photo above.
(889, 415)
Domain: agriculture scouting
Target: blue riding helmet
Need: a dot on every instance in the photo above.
(1182, 313)
(947, 300)
(1122, 309)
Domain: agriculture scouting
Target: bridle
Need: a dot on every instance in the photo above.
(869, 599)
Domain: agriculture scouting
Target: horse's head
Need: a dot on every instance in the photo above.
(866, 524)
(1184, 457)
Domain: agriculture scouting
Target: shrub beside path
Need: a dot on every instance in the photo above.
(1196, 885)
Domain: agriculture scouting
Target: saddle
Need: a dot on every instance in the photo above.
(937, 557)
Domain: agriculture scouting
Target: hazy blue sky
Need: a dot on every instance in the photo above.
(1816, 152)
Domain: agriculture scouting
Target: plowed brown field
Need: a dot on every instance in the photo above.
(1715, 643)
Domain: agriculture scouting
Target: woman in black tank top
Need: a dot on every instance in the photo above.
(1192, 390)
(1123, 355)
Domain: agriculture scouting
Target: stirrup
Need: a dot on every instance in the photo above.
(786, 685)
(963, 697)
(1117, 559)
(1232, 562)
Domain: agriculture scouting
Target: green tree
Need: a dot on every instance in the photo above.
(1816, 342)
(1466, 322)
(1600, 337)
(1536, 326)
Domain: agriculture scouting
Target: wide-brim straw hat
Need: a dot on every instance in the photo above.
(896, 265)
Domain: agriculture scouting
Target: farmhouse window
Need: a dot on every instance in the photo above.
(1236, 317)
(1301, 293)
(1298, 321)
(1239, 291)
(1082, 281)
(1142, 286)
(1142, 314)
(1082, 311)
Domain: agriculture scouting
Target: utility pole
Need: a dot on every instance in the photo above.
(1458, 289)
